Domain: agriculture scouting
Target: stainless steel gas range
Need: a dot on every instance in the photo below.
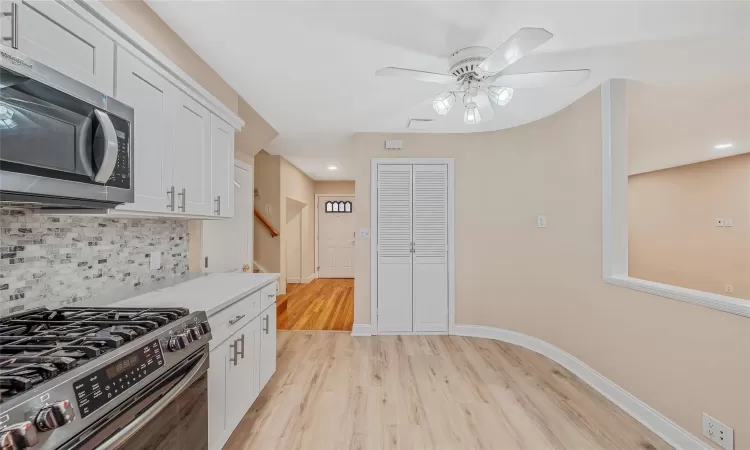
(104, 378)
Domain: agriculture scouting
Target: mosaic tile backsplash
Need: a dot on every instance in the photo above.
(57, 260)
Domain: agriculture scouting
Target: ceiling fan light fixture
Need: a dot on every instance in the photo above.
(471, 114)
(444, 102)
(500, 95)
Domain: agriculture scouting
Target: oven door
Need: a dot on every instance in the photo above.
(169, 414)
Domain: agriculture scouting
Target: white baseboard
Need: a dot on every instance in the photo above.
(303, 280)
(361, 329)
(672, 433)
(259, 267)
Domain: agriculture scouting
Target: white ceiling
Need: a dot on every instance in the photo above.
(308, 67)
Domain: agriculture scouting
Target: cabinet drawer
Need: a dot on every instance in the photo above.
(232, 318)
(268, 296)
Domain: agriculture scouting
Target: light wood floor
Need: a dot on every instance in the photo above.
(322, 304)
(335, 391)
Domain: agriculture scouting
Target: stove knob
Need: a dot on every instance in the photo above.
(195, 332)
(205, 327)
(177, 342)
(55, 415)
(19, 436)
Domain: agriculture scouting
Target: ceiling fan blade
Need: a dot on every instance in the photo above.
(419, 75)
(519, 45)
(558, 78)
(486, 110)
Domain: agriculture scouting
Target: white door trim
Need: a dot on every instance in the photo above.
(374, 162)
(317, 223)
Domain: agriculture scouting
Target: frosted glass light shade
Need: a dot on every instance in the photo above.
(500, 95)
(471, 115)
(444, 102)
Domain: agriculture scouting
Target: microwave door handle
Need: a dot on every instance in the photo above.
(110, 148)
(133, 427)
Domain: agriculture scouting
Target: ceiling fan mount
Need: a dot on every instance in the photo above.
(465, 62)
(477, 74)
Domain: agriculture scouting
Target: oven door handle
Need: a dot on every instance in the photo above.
(133, 427)
(109, 159)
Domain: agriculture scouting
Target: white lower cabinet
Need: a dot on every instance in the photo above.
(267, 344)
(239, 368)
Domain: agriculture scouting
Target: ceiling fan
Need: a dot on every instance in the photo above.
(477, 73)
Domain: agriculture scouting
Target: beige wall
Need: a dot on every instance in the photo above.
(255, 135)
(671, 126)
(548, 282)
(298, 187)
(266, 249)
(334, 187)
(672, 233)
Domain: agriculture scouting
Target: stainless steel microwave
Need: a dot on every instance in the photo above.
(62, 143)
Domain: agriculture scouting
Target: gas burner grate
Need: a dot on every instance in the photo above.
(38, 345)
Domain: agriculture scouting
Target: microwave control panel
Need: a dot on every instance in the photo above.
(121, 175)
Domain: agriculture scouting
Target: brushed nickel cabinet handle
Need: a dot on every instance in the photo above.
(233, 346)
(183, 195)
(13, 38)
(265, 329)
(170, 195)
(236, 319)
(218, 205)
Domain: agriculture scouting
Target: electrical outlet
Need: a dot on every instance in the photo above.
(718, 432)
(728, 289)
(541, 222)
(155, 261)
(719, 222)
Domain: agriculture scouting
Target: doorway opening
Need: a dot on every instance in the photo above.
(327, 301)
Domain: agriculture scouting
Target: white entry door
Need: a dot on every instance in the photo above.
(336, 235)
(227, 244)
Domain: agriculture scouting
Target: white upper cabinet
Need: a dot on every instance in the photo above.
(222, 167)
(183, 137)
(53, 35)
(153, 100)
(192, 167)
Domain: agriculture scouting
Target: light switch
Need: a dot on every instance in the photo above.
(364, 233)
(719, 222)
(155, 261)
(541, 221)
(728, 222)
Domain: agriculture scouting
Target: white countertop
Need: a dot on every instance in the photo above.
(210, 293)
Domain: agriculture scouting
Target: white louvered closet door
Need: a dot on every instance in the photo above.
(430, 264)
(394, 236)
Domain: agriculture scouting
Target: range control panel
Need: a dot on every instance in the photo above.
(98, 388)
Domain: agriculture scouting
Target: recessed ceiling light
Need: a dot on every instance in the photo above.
(723, 146)
(332, 168)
